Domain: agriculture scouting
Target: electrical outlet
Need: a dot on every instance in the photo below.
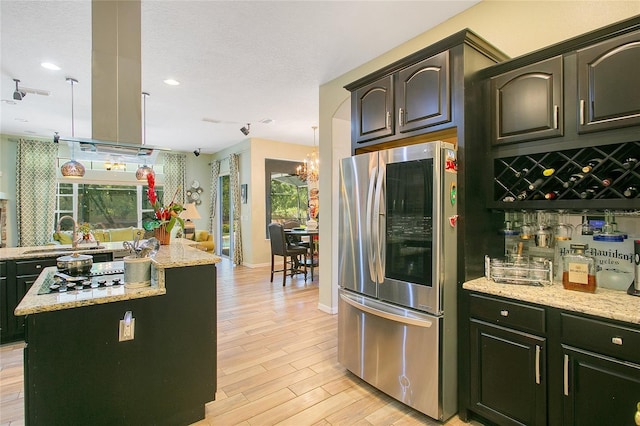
(127, 327)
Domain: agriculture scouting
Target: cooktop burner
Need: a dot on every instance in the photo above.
(105, 274)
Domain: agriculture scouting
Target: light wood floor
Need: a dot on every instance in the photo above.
(276, 362)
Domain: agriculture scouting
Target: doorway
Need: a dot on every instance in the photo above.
(225, 221)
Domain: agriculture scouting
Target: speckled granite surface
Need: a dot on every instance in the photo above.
(179, 253)
(612, 304)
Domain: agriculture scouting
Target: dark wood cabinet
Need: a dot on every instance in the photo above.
(20, 276)
(609, 84)
(536, 365)
(413, 98)
(421, 97)
(507, 362)
(374, 110)
(423, 94)
(527, 103)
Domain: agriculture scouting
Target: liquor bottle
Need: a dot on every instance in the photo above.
(552, 195)
(579, 269)
(612, 176)
(630, 163)
(630, 192)
(591, 164)
(573, 179)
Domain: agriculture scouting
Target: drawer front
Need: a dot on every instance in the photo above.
(34, 267)
(508, 314)
(3, 269)
(602, 337)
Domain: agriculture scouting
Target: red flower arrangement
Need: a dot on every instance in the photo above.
(164, 215)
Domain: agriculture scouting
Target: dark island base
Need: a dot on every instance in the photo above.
(78, 373)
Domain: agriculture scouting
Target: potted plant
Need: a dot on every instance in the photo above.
(165, 217)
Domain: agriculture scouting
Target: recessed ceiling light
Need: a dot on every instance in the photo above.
(171, 82)
(8, 101)
(50, 66)
(22, 120)
(267, 120)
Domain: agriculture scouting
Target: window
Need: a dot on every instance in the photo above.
(286, 195)
(104, 206)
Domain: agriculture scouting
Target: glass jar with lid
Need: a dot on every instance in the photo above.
(579, 269)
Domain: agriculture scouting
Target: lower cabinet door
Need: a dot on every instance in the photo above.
(508, 383)
(599, 390)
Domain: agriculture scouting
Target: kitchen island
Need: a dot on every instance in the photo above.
(79, 370)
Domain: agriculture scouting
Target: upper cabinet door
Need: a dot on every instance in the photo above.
(609, 84)
(423, 94)
(527, 103)
(373, 109)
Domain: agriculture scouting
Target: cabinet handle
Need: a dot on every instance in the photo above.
(616, 340)
(555, 116)
(400, 117)
(566, 375)
(38, 266)
(388, 120)
(537, 365)
(582, 111)
(504, 313)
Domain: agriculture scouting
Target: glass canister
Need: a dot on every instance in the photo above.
(579, 270)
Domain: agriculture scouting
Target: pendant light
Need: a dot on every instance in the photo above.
(309, 170)
(72, 168)
(144, 171)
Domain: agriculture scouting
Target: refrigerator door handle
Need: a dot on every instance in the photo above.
(371, 253)
(412, 320)
(378, 214)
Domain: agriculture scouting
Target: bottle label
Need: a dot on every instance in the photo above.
(579, 273)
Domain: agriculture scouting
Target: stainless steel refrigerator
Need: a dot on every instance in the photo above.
(397, 273)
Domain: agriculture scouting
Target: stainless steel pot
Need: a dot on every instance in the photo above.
(75, 264)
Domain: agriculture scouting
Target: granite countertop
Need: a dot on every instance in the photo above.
(605, 303)
(177, 254)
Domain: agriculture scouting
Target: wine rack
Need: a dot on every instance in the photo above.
(597, 176)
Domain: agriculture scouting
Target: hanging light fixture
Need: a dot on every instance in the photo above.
(308, 171)
(72, 168)
(144, 171)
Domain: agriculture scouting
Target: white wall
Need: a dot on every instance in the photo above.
(253, 152)
(515, 27)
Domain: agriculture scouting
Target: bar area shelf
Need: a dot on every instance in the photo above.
(595, 177)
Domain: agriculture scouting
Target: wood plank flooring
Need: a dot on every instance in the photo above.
(277, 362)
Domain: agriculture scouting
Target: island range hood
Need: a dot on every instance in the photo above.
(116, 88)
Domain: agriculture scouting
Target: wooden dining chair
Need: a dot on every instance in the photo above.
(290, 254)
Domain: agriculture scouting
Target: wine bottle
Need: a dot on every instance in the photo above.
(612, 176)
(630, 191)
(536, 184)
(591, 164)
(522, 196)
(573, 179)
(630, 163)
(590, 192)
(552, 195)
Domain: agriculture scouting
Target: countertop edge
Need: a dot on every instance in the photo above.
(605, 303)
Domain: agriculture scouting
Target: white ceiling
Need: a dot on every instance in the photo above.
(238, 62)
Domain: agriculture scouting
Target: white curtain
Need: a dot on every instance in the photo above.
(174, 178)
(215, 176)
(234, 184)
(36, 191)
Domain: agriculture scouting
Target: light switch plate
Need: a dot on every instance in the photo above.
(126, 331)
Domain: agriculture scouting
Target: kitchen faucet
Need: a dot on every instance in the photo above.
(74, 237)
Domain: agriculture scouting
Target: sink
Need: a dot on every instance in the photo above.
(63, 249)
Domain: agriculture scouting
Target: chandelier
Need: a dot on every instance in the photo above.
(144, 170)
(308, 171)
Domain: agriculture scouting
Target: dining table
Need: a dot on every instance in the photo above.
(312, 261)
